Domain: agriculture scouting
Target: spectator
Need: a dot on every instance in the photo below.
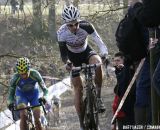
(143, 108)
(143, 95)
(148, 14)
(124, 73)
(147, 11)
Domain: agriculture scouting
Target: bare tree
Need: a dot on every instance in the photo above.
(37, 17)
(52, 20)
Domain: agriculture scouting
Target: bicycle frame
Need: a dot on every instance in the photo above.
(90, 100)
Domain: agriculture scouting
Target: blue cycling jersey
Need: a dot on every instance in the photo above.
(22, 88)
(26, 85)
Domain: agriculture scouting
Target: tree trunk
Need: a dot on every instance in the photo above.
(52, 20)
(37, 17)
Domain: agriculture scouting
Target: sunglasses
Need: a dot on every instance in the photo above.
(72, 25)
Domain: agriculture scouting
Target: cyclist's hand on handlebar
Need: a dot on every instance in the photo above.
(11, 106)
(45, 102)
(69, 66)
(42, 100)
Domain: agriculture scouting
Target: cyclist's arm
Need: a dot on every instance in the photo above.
(40, 81)
(12, 89)
(63, 51)
(98, 41)
(102, 47)
(62, 43)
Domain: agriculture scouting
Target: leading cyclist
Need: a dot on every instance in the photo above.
(23, 87)
(74, 49)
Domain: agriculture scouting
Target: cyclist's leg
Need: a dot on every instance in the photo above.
(77, 82)
(98, 75)
(78, 101)
(93, 59)
(37, 118)
(36, 111)
(21, 102)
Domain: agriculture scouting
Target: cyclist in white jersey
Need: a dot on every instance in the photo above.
(74, 49)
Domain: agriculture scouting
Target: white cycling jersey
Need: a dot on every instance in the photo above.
(77, 42)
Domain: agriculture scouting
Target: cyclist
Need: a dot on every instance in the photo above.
(24, 89)
(74, 49)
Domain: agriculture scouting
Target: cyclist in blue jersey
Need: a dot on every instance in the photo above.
(74, 49)
(24, 89)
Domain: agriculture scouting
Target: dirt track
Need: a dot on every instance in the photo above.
(69, 119)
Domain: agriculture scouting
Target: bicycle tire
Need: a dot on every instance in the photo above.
(91, 119)
(30, 124)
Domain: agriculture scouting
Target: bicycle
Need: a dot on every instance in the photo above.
(91, 120)
(30, 120)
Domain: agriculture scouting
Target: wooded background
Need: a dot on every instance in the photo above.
(28, 28)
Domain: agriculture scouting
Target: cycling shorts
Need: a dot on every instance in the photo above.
(79, 58)
(27, 97)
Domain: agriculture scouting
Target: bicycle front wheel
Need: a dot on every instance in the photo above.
(91, 120)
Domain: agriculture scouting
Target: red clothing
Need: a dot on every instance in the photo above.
(115, 104)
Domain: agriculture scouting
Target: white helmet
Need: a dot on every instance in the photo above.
(70, 13)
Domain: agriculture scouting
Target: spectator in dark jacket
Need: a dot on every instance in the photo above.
(124, 73)
(147, 11)
(148, 14)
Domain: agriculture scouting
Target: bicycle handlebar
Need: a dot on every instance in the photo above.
(28, 108)
(89, 66)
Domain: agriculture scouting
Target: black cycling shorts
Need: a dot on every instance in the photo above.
(79, 58)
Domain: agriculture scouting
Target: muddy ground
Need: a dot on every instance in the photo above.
(68, 117)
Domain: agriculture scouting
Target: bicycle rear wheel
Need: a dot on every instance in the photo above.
(91, 119)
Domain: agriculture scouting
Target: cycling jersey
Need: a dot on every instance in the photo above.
(77, 42)
(26, 86)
